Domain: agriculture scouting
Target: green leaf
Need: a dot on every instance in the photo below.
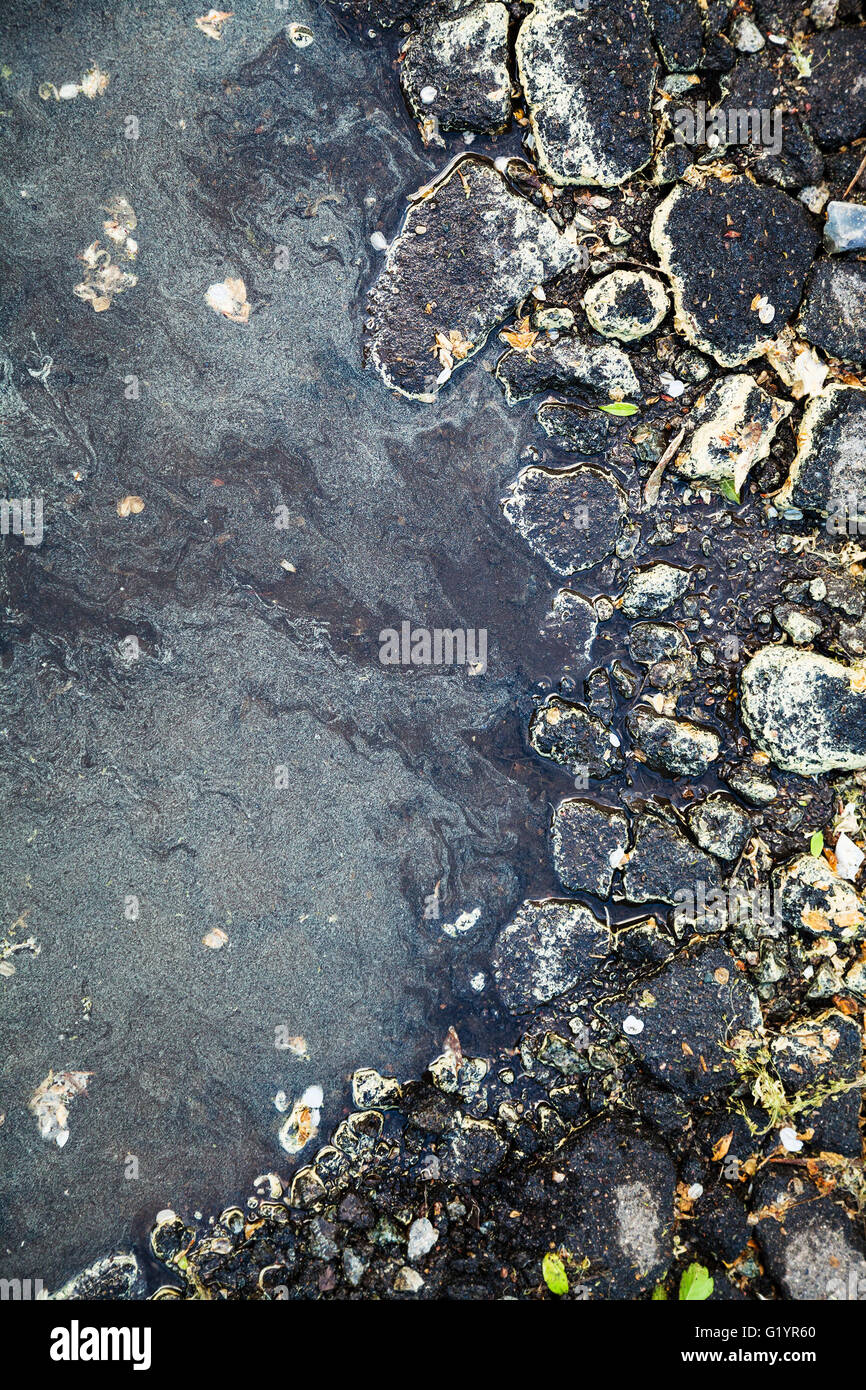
(660, 1293)
(620, 408)
(554, 1273)
(727, 489)
(696, 1284)
(816, 844)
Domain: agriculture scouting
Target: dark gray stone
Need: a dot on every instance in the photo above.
(567, 733)
(547, 950)
(699, 1002)
(571, 518)
(664, 864)
(584, 836)
(673, 746)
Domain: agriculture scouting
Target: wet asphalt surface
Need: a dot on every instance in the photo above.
(154, 778)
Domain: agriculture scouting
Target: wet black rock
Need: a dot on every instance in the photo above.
(454, 71)
(442, 290)
(588, 75)
(681, 1022)
(720, 1225)
(612, 1205)
(571, 518)
(572, 620)
(473, 1149)
(805, 710)
(811, 898)
(720, 826)
(573, 429)
(833, 316)
(652, 642)
(673, 746)
(763, 129)
(716, 278)
(811, 1247)
(836, 91)
(664, 865)
(813, 1051)
(652, 591)
(604, 372)
(679, 32)
(567, 733)
(387, 12)
(588, 841)
(835, 1125)
(547, 950)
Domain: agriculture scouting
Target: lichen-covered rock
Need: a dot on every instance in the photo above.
(811, 898)
(571, 518)
(547, 950)
(588, 75)
(607, 1195)
(806, 711)
(664, 864)
(800, 626)
(720, 826)
(569, 734)
(836, 92)
(673, 746)
(454, 71)
(604, 372)
(573, 621)
(627, 304)
(833, 316)
(679, 33)
(588, 842)
(734, 426)
(652, 591)
(810, 1245)
(473, 1149)
(574, 429)
(717, 279)
(442, 290)
(828, 474)
(690, 1012)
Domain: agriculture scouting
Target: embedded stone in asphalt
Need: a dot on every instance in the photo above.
(603, 371)
(588, 842)
(482, 248)
(806, 711)
(833, 316)
(663, 864)
(734, 251)
(571, 518)
(568, 733)
(828, 474)
(454, 71)
(548, 949)
(588, 75)
(627, 304)
(652, 591)
(733, 427)
(690, 1013)
(674, 746)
